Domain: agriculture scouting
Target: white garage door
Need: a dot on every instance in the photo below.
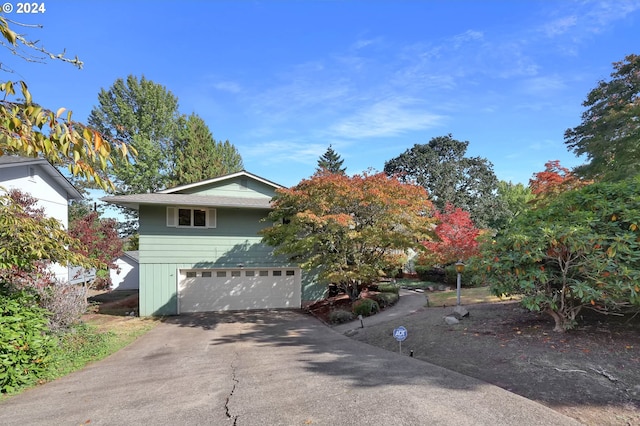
(204, 290)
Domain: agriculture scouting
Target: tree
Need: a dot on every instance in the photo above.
(581, 250)
(443, 170)
(99, 238)
(199, 156)
(331, 162)
(609, 134)
(456, 237)
(349, 229)
(145, 115)
(29, 129)
(553, 181)
(515, 200)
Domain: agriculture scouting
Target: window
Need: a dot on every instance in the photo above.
(191, 274)
(249, 273)
(264, 273)
(206, 274)
(277, 273)
(291, 273)
(235, 273)
(221, 274)
(186, 217)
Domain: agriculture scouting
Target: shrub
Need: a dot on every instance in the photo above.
(387, 299)
(365, 307)
(466, 280)
(25, 345)
(388, 288)
(339, 316)
(66, 303)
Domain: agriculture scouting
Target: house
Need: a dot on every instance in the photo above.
(126, 275)
(37, 177)
(199, 249)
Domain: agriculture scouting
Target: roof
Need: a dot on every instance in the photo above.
(133, 255)
(135, 200)
(172, 196)
(7, 161)
(219, 179)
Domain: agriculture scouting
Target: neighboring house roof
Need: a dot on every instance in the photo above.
(133, 255)
(7, 161)
(173, 197)
(219, 179)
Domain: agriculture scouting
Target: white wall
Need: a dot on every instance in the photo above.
(128, 278)
(32, 179)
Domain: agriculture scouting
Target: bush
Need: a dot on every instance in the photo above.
(365, 307)
(388, 288)
(25, 345)
(339, 316)
(66, 303)
(430, 273)
(387, 299)
(467, 278)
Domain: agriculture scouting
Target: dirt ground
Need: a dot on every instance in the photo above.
(591, 374)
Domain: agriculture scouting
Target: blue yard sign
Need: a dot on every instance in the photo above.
(400, 334)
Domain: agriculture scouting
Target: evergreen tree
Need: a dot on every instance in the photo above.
(198, 156)
(331, 162)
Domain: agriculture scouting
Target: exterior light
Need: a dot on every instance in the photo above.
(459, 269)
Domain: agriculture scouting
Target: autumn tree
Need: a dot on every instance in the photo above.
(455, 237)
(31, 130)
(442, 168)
(554, 180)
(198, 156)
(578, 251)
(609, 134)
(331, 162)
(349, 229)
(99, 238)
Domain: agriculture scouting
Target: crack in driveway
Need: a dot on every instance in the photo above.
(233, 389)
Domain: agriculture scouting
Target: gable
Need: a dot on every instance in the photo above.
(241, 184)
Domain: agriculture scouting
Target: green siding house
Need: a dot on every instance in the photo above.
(200, 249)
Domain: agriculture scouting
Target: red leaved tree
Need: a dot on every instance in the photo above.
(554, 180)
(456, 237)
(101, 241)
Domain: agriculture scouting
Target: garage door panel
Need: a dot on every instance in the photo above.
(241, 291)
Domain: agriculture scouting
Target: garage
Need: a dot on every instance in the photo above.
(205, 290)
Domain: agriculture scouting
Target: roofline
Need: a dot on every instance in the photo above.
(72, 191)
(219, 179)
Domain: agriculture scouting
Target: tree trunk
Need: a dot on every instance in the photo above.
(558, 319)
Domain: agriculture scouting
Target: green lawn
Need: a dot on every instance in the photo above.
(468, 296)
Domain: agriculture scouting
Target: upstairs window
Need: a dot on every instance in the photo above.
(187, 217)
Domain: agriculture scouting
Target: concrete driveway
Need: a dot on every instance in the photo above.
(266, 368)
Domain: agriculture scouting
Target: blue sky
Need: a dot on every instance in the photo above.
(282, 80)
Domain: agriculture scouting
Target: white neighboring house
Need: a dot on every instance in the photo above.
(37, 177)
(126, 276)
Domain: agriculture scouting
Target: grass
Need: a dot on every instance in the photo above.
(411, 284)
(99, 336)
(468, 296)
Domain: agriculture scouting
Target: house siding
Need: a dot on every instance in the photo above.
(164, 250)
(236, 187)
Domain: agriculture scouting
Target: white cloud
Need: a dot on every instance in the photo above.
(390, 117)
(228, 86)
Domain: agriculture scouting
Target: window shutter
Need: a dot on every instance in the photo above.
(171, 216)
(211, 218)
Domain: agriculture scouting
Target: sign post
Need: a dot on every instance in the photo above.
(400, 334)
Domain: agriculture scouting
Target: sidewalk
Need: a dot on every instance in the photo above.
(410, 302)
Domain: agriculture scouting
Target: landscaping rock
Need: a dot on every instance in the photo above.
(350, 333)
(460, 312)
(450, 320)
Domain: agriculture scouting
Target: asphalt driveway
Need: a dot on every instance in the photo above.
(266, 368)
